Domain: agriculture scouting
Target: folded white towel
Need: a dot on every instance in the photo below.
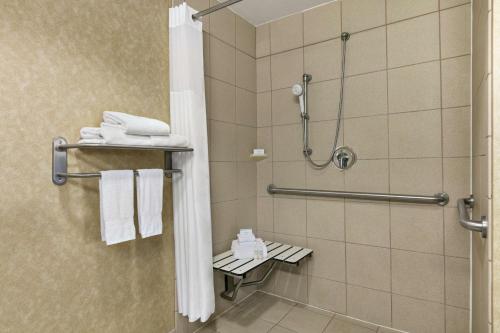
(246, 235)
(242, 252)
(173, 140)
(92, 141)
(242, 238)
(245, 245)
(150, 201)
(246, 232)
(117, 206)
(260, 245)
(136, 125)
(115, 134)
(90, 133)
(255, 249)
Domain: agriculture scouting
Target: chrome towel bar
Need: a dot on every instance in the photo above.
(465, 220)
(98, 174)
(60, 147)
(440, 198)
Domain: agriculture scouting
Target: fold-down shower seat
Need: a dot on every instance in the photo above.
(236, 270)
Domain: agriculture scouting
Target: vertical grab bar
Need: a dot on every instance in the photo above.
(465, 220)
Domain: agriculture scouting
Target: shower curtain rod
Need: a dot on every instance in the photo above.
(215, 8)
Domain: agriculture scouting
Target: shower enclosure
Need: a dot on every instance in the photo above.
(405, 114)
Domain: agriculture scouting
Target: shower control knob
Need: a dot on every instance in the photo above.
(344, 158)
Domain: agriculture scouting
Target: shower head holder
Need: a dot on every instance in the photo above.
(345, 36)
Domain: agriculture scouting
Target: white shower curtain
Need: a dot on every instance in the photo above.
(191, 189)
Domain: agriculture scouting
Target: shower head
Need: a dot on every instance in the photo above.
(297, 89)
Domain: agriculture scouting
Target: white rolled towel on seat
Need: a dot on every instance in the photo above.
(136, 125)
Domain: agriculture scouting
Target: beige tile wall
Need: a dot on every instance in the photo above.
(482, 256)
(61, 64)
(495, 179)
(407, 116)
(230, 77)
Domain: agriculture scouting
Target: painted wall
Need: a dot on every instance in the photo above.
(61, 64)
(407, 116)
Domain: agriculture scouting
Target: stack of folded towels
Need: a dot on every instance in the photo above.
(124, 129)
(247, 246)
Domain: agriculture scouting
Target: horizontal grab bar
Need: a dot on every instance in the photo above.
(465, 220)
(439, 198)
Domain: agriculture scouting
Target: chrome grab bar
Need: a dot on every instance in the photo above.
(439, 198)
(465, 220)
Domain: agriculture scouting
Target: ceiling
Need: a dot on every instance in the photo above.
(259, 12)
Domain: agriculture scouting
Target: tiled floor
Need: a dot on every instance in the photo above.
(261, 313)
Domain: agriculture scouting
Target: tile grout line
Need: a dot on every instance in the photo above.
(378, 115)
(341, 5)
(442, 165)
(388, 163)
(372, 71)
(269, 74)
(328, 324)
(364, 244)
(220, 315)
(228, 44)
(438, 11)
(305, 165)
(332, 313)
(349, 76)
(286, 314)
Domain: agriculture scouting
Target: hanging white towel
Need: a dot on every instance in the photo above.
(150, 201)
(191, 190)
(136, 125)
(117, 206)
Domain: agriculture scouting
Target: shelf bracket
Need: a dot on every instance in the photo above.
(59, 161)
(168, 162)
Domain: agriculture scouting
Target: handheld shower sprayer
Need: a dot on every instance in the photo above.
(298, 91)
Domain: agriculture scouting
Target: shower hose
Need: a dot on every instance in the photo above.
(307, 150)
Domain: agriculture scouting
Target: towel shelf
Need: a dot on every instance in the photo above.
(66, 146)
(60, 147)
